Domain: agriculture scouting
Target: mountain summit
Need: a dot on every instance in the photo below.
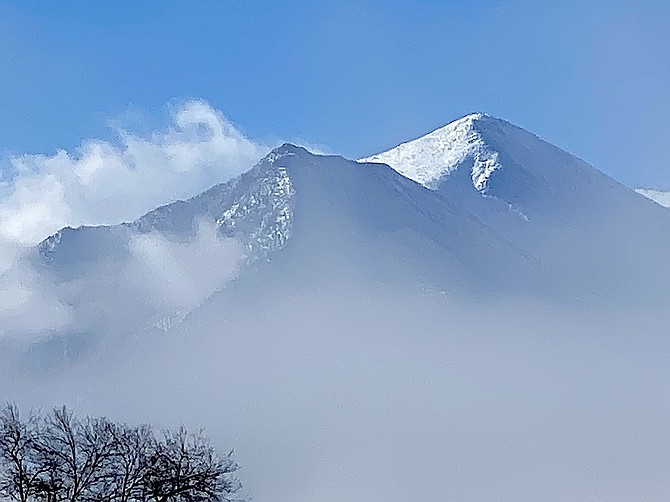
(433, 157)
(490, 156)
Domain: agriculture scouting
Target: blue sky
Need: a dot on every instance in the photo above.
(359, 77)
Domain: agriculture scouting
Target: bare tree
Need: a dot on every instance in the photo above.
(185, 467)
(59, 458)
(19, 467)
(78, 453)
(134, 448)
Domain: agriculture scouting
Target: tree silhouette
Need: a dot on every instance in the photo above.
(60, 458)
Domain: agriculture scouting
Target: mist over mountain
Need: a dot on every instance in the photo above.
(474, 314)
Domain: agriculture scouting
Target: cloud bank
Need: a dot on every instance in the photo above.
(104, 183)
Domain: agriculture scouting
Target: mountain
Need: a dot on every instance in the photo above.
(295, 221)
(662, 198)
(479, 208)
(320, 208)
(597, 233)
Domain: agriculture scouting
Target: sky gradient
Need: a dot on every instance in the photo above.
(357, 77)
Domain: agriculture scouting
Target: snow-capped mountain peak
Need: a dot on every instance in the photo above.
(483, 157)
(430, 158)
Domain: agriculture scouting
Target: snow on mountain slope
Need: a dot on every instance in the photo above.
(662, 198)
(149, 273)
(436, 155)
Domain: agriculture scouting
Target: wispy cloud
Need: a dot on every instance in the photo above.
(181, 275)
(106, 182)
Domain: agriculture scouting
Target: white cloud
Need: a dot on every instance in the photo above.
(182, 275)
(106, 183)
(28, 302)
